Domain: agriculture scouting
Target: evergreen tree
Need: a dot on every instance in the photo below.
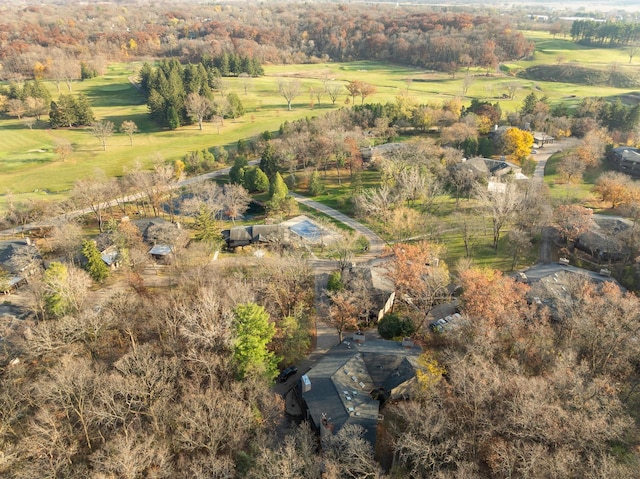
(156, 105)
(529, 104)
(236, 110)
(223, 65)
(86, 72)
(146, 72)
(485, 147)
(278, 190)
(96, 268)
(261, 181)
(173, 119)
(36, 89)
(206, 228)
(252, 333)
(316, 187)
(54, 276)
(56, 116)
(255, 179)
(84, 113)
(236, 174)
(268, 161)
(70, 111)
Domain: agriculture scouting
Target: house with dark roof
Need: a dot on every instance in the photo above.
(19, 259)
(374, 154)
(240, 236)
(352, 382)
(489, 168)
(163, 236)
(626, 160)
(604, 238)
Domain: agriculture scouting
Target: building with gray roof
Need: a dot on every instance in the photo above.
(350, 384)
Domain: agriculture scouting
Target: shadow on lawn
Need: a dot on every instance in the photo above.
(114, 95)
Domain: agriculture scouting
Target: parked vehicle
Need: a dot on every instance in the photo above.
(286, 373)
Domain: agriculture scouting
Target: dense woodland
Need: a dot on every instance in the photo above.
(177, 382)
(42, 41)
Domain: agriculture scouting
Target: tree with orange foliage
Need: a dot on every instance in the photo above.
(492, 298)
(615, 187)
(343, 313)
(420, 276)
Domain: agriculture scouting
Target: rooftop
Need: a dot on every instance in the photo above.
(342, 382)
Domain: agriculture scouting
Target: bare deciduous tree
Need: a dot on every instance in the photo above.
(289, 90)
(198, 107)
(343, 313)
(501, 202)
(102, 130)
(93, 194)
(334, 90)
(236, 201)
(129, 128)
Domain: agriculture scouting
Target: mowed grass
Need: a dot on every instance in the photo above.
(570, 193)
(552, 50)
(30, 167)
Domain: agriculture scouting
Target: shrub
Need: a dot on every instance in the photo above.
(315, 184)
(335, 282)
(393, 326)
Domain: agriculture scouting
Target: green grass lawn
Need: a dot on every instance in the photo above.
(30, 167)
(29, 164)
(552, 50)
(568, 193)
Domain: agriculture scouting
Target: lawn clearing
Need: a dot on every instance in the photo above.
(570, 193)
(30, 166)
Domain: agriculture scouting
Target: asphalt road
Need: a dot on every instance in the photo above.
(543, 154)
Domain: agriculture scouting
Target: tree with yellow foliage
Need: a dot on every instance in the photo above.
(517, 144)
(429, 372)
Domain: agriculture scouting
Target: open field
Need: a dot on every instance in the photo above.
(31, 169)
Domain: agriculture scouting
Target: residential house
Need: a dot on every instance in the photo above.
(353, 381)
(163, 236)
(19, 259)
(604, 239)
(240, 236)
(626, 160)
(374, 154)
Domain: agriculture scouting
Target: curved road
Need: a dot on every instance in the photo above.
(376, 243)
(545, 153)
(541, 158)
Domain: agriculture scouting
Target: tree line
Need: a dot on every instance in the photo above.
(238, 39)
(606, 34)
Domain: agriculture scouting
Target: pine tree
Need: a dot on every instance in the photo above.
(315, 184)
(253, 332)
(173, 119)
(96, 268)
(278, 190)
(236, 174)
(84, 113)
(268, 161)
(206, 229)
(54, 276)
